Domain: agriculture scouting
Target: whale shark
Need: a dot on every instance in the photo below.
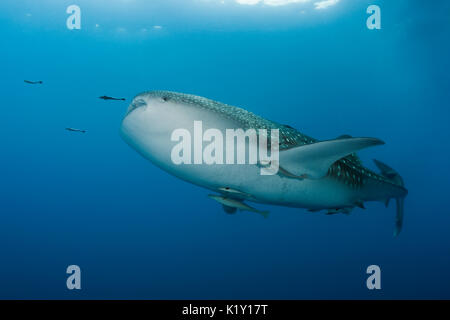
(316, 175)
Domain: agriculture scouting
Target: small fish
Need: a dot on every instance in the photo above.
(76, 130)
(111, 98)
(235, 192)
(234, 203)
(33, 82)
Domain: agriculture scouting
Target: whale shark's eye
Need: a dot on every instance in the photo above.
(165, 99)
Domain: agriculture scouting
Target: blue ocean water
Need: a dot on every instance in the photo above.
(139, 233)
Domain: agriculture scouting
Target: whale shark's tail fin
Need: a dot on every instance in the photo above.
(399, 216)
(395, 178)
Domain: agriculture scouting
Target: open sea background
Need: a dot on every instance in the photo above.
(139, 233)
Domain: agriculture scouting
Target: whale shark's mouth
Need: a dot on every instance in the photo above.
(137, 103)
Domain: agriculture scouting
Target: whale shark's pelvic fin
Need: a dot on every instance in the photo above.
(386, 203)
(360, 204)
(345, 210)
(393, 176)
(313, 160)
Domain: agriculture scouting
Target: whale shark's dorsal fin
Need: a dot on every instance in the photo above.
(388, 172)
(313, 160)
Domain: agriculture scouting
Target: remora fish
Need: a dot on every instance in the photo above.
(32, 82)
(111, 98)
(316, 175)
(76, 130)
(230, 205)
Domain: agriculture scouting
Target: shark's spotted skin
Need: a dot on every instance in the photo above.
(348, 170)
(314, 175)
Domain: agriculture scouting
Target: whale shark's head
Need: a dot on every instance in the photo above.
(156, 112)
(148, 101)
(152, 110)
(152, 117)
(149, 114)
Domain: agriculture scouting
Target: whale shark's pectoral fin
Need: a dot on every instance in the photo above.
(286, 173)
(228, 209)
(313, 160)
